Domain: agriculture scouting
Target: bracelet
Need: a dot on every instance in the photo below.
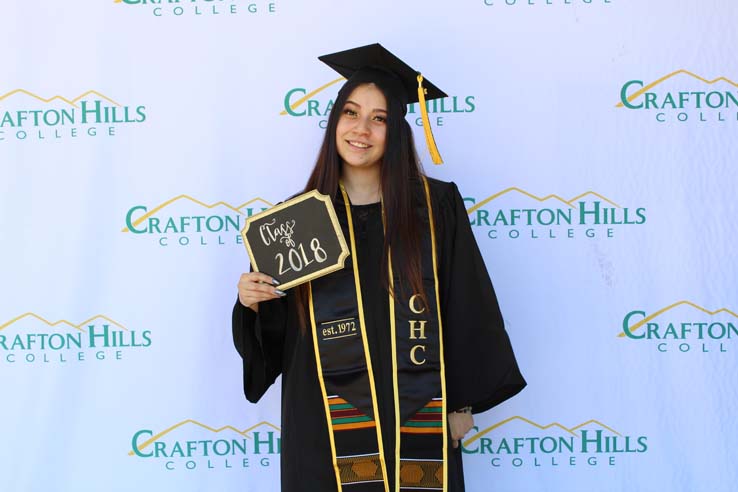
(466, 409)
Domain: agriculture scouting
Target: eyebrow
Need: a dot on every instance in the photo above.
(357, 104)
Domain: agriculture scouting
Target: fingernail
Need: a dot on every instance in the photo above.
(275, 281)
(280, 293)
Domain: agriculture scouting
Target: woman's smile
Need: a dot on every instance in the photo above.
(358, 145)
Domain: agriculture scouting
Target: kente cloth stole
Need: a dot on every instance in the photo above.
(346, 378)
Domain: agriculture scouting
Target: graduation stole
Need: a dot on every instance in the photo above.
(347, 381)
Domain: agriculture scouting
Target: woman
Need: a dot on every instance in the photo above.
(383, 361)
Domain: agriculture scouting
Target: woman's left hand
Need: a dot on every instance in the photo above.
(459, 424)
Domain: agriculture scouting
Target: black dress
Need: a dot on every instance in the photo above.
(481, 370)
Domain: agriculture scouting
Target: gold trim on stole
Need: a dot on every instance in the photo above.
(431, 223)
(360, 303)
(395, 383)
(322, 388)
(393, 336)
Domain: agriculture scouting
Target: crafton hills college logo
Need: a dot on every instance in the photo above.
(32, 339)
(191, 445)
(514, 213)
(317, 104)
(187, 8)
(682, 327)
(186, 221)
(682, 96)
(28, 116)
(520, 442)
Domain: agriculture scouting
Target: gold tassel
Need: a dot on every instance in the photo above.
(430, 141)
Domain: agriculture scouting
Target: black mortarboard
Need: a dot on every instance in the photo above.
(368, 62)
(375, 55)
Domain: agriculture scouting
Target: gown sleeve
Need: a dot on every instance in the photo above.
(481, 370)
(259, 339)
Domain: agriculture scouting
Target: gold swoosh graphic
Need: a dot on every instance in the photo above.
(307, 96)
(568, 203)
(62, 321)
(180, 197)
(673, 74)
(72, 102)
(207, 427)
(542, 427)
(676, 304)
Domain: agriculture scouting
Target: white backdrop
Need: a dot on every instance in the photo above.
(136, 136)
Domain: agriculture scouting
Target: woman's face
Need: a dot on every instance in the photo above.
(362, 127)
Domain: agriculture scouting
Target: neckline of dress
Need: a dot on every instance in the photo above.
(367, 205)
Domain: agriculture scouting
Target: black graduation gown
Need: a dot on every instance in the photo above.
(481, 370)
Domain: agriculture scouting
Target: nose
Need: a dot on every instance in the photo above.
(362, 126)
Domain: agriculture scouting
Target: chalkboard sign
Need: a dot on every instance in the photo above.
(296, 241)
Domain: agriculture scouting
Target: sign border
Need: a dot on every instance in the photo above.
(336, 227)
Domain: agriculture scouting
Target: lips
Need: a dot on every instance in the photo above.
(358, 145)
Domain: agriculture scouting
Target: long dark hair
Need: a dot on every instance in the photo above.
(400, 176)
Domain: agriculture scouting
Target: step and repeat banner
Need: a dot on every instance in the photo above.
(594, 142)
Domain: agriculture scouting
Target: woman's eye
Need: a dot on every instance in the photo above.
(349, 112)
(380, 119)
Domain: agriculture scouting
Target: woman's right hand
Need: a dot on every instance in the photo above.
(255, 287)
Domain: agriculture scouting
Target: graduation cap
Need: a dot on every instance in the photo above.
(374, 61)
